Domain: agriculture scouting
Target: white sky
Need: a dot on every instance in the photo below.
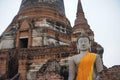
(103, 17)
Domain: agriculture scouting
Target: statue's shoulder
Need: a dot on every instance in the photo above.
(75, 56)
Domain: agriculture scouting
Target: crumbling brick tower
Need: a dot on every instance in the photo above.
(38, 33)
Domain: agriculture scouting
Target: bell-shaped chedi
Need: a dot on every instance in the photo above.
(38, 23)
(43, 8)
(35, 5)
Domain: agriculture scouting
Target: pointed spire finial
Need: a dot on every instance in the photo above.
(79, 7)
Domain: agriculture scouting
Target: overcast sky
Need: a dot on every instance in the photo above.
(103, 16)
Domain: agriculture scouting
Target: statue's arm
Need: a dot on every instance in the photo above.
(72, 69)
(99, 64)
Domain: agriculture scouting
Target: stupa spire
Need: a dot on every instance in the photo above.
(80, 17)
(79, 8)
(81, 25)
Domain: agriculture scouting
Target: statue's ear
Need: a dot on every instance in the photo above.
(90, 47)
(90, 43)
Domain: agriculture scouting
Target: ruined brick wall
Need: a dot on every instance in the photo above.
(112, 73)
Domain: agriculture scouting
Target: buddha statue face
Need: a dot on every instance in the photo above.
(83, 44)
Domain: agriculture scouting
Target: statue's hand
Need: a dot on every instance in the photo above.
(98, 78)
